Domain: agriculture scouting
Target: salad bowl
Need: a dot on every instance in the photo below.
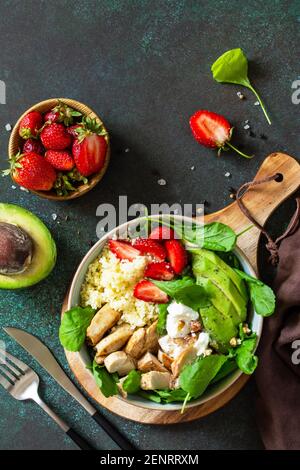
(83, 358)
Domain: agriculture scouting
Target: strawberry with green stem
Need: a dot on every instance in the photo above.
(30, 125)
(62, 113)
(214, 131)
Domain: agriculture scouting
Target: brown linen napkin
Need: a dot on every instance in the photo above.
(277, 378)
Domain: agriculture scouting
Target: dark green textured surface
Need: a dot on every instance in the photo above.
(144, 66)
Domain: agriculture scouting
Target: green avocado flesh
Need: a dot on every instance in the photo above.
(228, 296)
(44, 248)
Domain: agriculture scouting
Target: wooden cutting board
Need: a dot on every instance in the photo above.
(261, 201)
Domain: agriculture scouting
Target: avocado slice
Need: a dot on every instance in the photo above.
(225, 268)
(204, 267)
(220, 327)
(41, 252)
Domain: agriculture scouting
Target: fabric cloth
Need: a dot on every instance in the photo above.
(278, 372)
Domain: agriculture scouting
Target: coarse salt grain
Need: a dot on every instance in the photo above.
(256, 103)
(247, 126)
(54, 216)
(24, 189)
(8, 127)
(227, 174)
(162, 182)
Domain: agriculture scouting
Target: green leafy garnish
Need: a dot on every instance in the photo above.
(245, 357)
(261, 295)
(162, 319)
(72, 331)
(232, 67)
(132, 382)
(169, 396)
(105, 381)
(226, 369)
(184, 291)
(172, 287)
(152, 396)
(195, 378)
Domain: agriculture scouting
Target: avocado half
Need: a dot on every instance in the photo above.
(43, 257)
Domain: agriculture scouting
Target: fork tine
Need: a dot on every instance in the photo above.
(4, 382)
(14, 360)
(13, 369)
(7, 374)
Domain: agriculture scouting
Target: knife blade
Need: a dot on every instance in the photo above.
(45, 358)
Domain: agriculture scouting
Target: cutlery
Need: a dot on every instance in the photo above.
(46, 359)
(22, 383)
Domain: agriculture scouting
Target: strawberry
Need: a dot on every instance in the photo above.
(162, 233)
(33, 145)
(30, 125)
(161, 271)
(150, 247)
(123, 250)
(72, 130)
(51, 116)
(55, 137)
(89, 148)
(213, 130)
(147, 291)
(60, 159)
(32, 171)
(177, 255)
(62, 113)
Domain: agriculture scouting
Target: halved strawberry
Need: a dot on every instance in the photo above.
(177, 255)
(214, 131)
(150, 247)
(162, 233)
(123, 250)
(148, 292)
(161, 271)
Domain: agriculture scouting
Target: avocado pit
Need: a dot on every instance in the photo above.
(16, 249)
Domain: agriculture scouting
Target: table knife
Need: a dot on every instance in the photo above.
(46, 359)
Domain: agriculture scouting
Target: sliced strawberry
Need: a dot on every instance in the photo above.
(161, 271)
(210, 129)
(162, 233)
(150, 247)
(148, 292)
(177, 255)
(123, 250)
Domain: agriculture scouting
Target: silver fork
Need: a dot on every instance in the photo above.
(22, 383)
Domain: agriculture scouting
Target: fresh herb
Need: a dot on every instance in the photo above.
(195, 378)
(132, 382)
(105, 381)
(261, 295)
(232, 67)
(73, 327)
(184, 291)
(162, 319)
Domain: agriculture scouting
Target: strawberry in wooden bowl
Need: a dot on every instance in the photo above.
(59, 149)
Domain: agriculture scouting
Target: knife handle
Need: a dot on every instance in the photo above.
(116, 436)
(79, 441)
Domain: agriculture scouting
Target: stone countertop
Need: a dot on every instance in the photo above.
(144, 66)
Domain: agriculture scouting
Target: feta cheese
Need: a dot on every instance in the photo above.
(170, 347)
(179, 320)
(202, 343)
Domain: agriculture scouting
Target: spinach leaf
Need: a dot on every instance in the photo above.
(169, 396)
(105, 381)
(73, 327)
(171, 287)
(162, 318)
(232, 67)
(226, 369)
(261, 295)
(132, 382)
(245, 358)
(152, 396)
(195, 378)
(194, 297)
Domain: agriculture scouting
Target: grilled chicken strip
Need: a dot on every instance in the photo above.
(155, 380)
(114, 341)
(149, 362)
(187, 356)
(136, 344)
(165, 359)
(119, 362)
(103, 321)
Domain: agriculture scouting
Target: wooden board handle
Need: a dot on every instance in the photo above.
(261, 200)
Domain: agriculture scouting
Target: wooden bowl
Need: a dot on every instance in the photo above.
(15, 143)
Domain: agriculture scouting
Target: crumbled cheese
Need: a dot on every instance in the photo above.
(110, 280)
(202, 343)
(179, 320)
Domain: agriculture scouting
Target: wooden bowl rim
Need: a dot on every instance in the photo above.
(87, 111)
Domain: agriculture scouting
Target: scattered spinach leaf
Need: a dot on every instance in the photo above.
(132, 382)
(194, 297)
(195, 378)
(172, 287)
(232, 67)
(245, 357)
(152, 396)
(170, 396)
(261, 295)
(73, 327)
(105, 381)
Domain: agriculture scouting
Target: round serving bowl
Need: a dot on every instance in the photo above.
(255, 320)
(15, 142)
